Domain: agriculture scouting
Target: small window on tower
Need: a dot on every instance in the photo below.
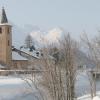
(8, 30)
(0, 30)
(8, 43)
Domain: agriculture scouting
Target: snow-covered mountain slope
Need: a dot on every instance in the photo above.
(54, 35)
(38, 38)
(50, 37)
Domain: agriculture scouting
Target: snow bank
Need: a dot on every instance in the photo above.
(88, 97)
(96, 98)
(10, 80)
(14, 88)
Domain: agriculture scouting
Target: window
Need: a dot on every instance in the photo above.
(0, 30)
(37, 54)
(8, 30)
(8, 43)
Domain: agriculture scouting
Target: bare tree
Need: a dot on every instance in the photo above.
(58, 72)
(60, 77)
(92, 53)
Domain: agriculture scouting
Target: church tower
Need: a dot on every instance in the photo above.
(5, 40)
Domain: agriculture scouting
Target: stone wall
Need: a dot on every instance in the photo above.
(20, 64)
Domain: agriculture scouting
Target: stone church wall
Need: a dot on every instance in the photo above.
(20, 64)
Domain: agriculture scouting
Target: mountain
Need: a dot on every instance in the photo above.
(43, 38)
(54, 35)
(82, 59)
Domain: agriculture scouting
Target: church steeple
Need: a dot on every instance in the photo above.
(5, 40)
(3, 17)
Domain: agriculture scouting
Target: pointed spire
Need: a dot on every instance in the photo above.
(3, 16)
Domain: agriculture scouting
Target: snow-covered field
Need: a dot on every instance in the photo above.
(88, 97)
(83, 85)
(12, 88)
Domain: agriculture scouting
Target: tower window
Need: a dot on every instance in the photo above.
(8, 30)
(8, 43)
(0, 30)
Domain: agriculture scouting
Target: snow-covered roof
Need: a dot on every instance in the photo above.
(16, 56)
(32, 53)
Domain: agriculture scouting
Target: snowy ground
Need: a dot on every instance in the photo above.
(83, 84)
(12, 88)
(83, 87)
(88, 97)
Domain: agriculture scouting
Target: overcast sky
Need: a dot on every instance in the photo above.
(74, 16)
